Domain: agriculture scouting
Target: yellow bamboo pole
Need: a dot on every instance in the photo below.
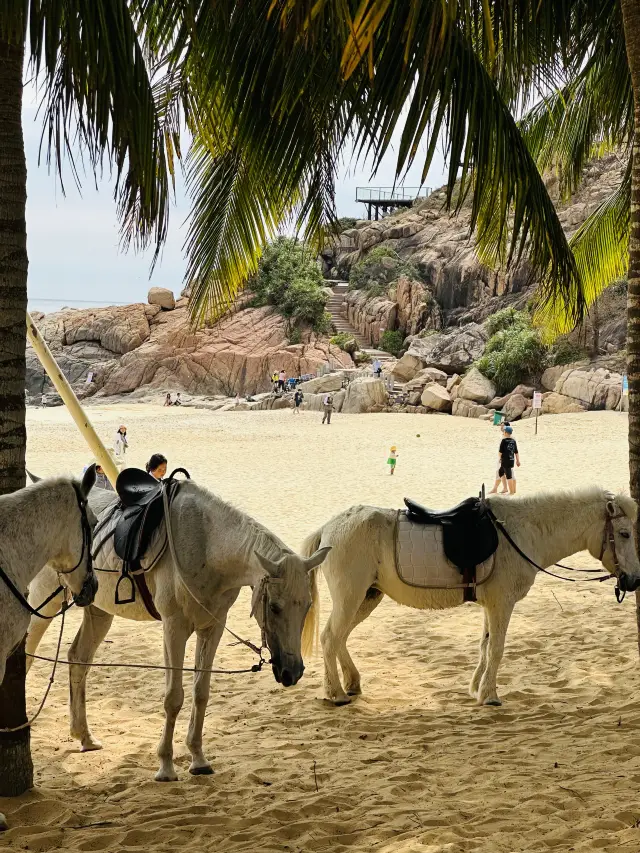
(72, 403)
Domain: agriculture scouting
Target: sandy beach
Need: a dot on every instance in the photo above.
(411, 767)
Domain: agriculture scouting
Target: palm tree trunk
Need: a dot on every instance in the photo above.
(16, 768)
(631, 21)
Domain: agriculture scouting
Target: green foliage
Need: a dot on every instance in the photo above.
(506, 319)
(376, 272)
(513, 355)
(391, 341)
(565, 351)
(344, 223)
(288, 278)
(295, 336)
(342, 340)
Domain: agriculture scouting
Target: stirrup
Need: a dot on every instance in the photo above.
(125, 576)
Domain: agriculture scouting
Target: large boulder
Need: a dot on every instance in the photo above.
(163, 297)
(407, 367)
(598, 388)
(322, 384)
(468, 409)
(559, 404)
(426, 377)
(452, 350)
(362, 394)
(436, 397)
(476, 387)
(515, 406)
(313, 402)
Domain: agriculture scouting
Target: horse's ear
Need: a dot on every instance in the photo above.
(88, 481)
(612, 509)
(33, 477)
(315, 559)
(272, 567)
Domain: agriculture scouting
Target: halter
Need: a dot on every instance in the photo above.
(86, 547)
(262, 598)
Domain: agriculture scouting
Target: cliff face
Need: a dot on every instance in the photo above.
(126, 348)
(442, 249)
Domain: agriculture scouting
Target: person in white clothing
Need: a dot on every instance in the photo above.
(327, 405)
(120, 443)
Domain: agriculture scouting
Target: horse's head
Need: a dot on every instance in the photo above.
(280, 604)
(74, 564)
(617, 547)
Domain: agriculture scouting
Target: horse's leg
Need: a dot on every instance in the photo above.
(176, 631)
(206, 647)
(41, 586)
(94, 628)
(498, 616)
(482, 663)
(350, 674)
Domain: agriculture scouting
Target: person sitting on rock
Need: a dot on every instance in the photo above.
(157, 466)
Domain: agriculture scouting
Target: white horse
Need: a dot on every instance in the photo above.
(220, 549)
(43, 524)
(361, 569)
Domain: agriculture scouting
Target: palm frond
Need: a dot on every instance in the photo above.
(601, 249)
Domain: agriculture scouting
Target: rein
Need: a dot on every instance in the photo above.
(86, 546)
(606, 539)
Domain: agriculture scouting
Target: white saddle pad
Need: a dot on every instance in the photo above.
(104, 552)
(421, 561)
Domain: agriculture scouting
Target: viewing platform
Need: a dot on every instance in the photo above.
(389, 199)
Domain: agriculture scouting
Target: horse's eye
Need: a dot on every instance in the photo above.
(625, 534)
(275, 608)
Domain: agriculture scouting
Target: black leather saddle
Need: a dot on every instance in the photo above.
(469, 536)
(141, 512)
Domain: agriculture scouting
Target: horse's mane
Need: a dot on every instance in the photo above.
(582, 495)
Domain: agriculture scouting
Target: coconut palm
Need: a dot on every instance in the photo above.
(92, 63)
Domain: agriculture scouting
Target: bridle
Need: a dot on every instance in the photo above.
(261, 599)
(86, 549)
(609, 539)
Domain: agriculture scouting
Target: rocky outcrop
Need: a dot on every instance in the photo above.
(516, 406)
(559, 404)
(141, 346)
(468, 409)
(417, 308)
(370, 316)
(163, 297)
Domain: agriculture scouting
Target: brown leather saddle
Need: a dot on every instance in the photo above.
(469, 536)
(141, 512)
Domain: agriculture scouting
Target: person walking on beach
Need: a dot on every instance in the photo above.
(157, 466)
(120, 444)
(327, 405)
(393, 458)
(508, 453)
(282, 376)
(501, 479)
(298, 397)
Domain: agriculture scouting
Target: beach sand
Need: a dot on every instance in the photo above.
(411, 767)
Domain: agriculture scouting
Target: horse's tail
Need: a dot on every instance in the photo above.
(311, 629)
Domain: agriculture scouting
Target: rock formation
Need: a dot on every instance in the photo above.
(126, 348)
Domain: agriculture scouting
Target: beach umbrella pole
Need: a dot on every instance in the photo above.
(59, 380)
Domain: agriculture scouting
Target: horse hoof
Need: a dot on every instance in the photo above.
(165, 777)
(3, 823)
(340, 702)
(492, 703)
(206, 770)
(91, 746)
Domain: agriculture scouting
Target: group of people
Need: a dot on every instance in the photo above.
(169, 402)
(156, 466)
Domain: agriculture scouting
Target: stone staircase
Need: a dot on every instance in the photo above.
(334, 307)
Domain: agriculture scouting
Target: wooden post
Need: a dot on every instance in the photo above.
(70, 400)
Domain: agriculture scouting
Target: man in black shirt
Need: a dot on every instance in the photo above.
(508, 455)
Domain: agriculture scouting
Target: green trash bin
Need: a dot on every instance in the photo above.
(498, 417)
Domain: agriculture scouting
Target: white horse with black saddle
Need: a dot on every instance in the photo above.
(44, 523)
(377, 552)
(213, 551)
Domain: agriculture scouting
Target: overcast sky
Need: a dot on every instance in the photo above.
(74, 256)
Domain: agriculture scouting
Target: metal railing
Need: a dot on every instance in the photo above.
(391, 194)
